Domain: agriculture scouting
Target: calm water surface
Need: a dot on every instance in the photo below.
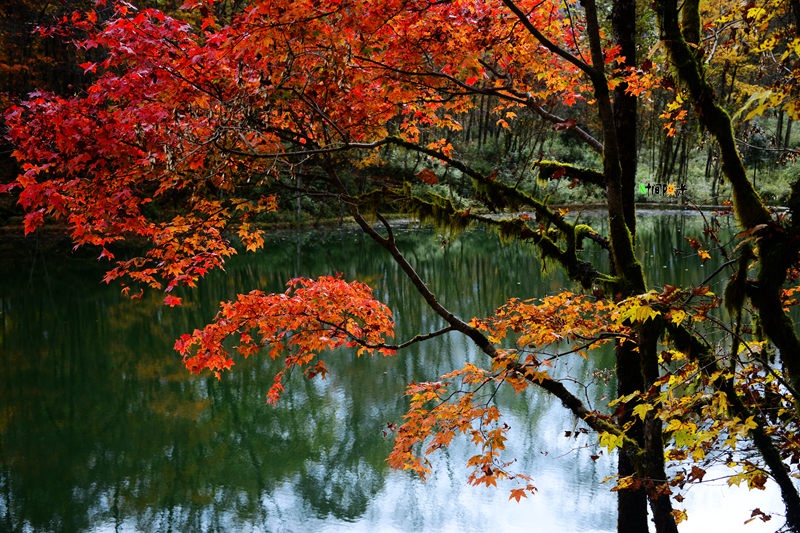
(102, 428)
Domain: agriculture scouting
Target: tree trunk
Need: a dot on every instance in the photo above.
(631, 503)
(654, 464)
(667, 159)
(623, 21)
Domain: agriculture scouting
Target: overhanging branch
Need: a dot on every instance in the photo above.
(554, 169)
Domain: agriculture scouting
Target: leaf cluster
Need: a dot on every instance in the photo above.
(298, 326)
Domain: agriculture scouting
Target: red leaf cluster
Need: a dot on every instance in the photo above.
(297, 326)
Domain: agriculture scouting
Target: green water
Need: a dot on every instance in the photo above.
(102, 428)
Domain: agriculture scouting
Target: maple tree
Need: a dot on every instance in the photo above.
(192, 130)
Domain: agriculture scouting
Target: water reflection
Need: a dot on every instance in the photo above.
(102, 428)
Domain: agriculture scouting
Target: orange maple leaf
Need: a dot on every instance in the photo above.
(517, 494)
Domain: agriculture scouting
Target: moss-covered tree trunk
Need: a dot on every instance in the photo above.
(773, 247)
(619, 191)
(619, 181)
(750, 211)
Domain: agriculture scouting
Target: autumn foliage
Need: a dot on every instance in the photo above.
(189, 131)
(298, 326)
(203, 117)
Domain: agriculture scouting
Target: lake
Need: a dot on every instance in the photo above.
(103, 429)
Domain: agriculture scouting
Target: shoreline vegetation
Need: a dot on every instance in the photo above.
(14, 223)
(55, 237)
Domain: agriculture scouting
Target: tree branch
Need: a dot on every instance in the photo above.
(554, 387)
(547, 169)
(547, 43)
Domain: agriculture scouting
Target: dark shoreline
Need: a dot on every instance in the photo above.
(54, 237)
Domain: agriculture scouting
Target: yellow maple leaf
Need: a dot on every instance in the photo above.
(676, 316)
(679, 515)
(643, 313)
(611, 441)
(642, 409)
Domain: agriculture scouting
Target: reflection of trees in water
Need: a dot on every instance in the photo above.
(101, 424)
(666, 255)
